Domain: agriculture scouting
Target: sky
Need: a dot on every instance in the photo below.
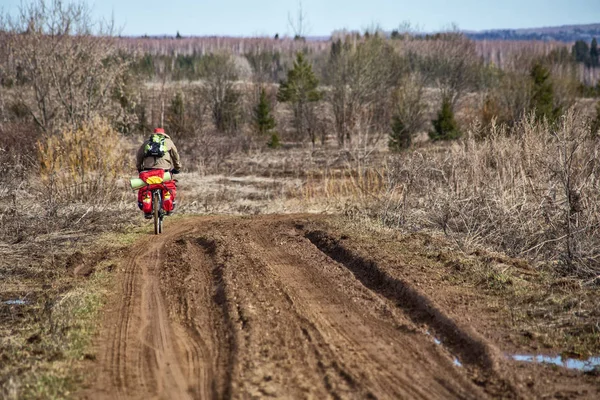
(268, 17)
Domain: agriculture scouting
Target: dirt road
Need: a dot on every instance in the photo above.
(272, 307)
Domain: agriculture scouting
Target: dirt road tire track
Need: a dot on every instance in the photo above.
(223, 307)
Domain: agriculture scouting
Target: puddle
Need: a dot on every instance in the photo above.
(437, 341)
(570, 363)
(15, 302)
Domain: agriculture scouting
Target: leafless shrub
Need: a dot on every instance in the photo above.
(409, 111)
(210, 152)
(453, 66)
(220, 92)
(17, 160)
(507, 97)
(362, 75)
(81, 164)
(532, 192)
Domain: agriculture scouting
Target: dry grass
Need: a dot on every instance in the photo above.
(44, 340)
(531, 192)
(358, 183)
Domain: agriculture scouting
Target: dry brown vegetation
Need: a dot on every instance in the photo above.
(73, 108)
(531, 192)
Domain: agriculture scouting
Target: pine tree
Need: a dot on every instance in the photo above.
(300, 89)
(543, 94)
(274, 142)
(400, 138)
(594, 54)
(445, 126)
(263, 120)
(581, 52)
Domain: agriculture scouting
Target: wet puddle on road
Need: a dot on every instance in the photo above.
(437, 341)
(590, 364)
(15, 302)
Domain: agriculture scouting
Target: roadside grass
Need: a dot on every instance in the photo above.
(45, 342)
(68, 336)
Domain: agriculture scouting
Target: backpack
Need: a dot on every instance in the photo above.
(155, 146)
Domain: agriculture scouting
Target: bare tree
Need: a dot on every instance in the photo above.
(362, 75)
(219, 91)
(299, 23)
(452, 66)
(409, 115)
(65, 64)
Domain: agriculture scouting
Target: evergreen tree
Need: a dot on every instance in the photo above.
(263, 120)
(178, 36)
(594, 54)
(543, 94)
(445, 126)
(400, 138)
(301, 89)
(274, 142)
(581, 52)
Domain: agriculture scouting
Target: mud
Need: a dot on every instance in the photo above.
(223, 307)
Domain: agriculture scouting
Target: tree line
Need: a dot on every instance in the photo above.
(586, 54)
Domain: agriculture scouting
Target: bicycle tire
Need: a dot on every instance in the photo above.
(156, 212)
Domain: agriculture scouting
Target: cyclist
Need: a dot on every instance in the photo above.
(158, 152)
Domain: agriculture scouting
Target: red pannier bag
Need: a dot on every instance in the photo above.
(169, 190)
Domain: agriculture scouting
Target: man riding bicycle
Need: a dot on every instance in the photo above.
(158, 153)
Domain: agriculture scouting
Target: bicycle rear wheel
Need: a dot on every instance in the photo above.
(156, 213)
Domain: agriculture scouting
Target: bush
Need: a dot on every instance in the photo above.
(263, 120)
(301, 89)
(531, 192)
(82, 164)
(274, 142)
(543, 94)
(445, 126)
(400, 138)
(66, 65)
(219, 91)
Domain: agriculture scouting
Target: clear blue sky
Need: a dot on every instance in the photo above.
(267, 17)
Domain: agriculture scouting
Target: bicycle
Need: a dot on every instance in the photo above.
(155, 186)
(157, 210)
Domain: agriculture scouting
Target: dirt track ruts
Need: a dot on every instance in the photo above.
(223, 307)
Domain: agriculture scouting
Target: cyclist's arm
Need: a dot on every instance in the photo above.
(139, 160)
(175, 157)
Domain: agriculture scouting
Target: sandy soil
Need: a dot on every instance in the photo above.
(273, 306)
